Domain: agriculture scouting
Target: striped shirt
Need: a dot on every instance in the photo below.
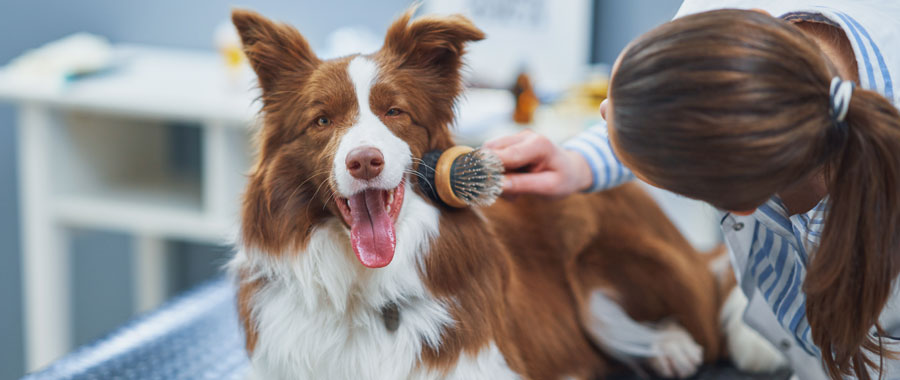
(782, 243)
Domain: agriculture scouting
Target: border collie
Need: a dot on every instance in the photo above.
(347, 271)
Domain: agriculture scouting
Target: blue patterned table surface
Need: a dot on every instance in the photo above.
(197, 336)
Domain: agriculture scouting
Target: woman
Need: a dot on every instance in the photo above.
(760, 116)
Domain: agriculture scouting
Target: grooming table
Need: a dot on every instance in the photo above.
(197, 336)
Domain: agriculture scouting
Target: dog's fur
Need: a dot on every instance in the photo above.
(525, 289)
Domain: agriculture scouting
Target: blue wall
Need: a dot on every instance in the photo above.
(11, 356)
(188, 24)
(617, 22)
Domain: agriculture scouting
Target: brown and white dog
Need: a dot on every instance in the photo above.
(346, 271)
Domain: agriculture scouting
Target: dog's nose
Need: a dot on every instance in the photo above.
(365, 162)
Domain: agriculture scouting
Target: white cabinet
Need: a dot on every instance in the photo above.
(97, 153)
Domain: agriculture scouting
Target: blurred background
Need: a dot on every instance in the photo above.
(122, 151)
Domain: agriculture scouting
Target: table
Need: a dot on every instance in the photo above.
(198, 336)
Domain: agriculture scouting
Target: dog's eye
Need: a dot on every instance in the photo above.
(323, 121)
(393, 112)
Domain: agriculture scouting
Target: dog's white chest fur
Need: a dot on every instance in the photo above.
(319, 316)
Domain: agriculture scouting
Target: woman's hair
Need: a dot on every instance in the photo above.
(731, 107)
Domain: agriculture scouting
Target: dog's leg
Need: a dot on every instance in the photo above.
(666, 347)
(487, 364)
(628, 289)
(648, 301)
(748, 350)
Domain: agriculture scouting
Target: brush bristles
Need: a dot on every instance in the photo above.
(477, 177)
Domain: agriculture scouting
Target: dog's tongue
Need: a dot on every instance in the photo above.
(371, 231)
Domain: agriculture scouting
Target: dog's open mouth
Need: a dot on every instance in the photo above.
(371, 214)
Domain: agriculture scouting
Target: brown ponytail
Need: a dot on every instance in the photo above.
(732, 107)
(851, 277)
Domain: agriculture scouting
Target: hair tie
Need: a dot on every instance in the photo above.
(841, 91)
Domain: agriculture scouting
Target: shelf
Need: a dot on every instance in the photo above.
(154, 214)
(153, 82)
(151, 203)
(141, 176)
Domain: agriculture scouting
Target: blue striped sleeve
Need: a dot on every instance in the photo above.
(606, 169)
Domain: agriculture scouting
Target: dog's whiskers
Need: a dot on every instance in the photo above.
(314, 175)
(325, 181)
(419, 175)
(422, 162)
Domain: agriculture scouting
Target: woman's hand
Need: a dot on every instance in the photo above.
(535, 165)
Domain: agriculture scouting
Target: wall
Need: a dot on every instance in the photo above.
(11, 359)
(618, 22)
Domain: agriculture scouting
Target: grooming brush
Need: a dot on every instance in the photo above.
(461, 176)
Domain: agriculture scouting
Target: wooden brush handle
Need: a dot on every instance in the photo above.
(442, 171)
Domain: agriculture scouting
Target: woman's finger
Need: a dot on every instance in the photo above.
(505, 141)
(533, 149)
(545, 183)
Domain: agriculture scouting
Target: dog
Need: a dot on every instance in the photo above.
(346, 270)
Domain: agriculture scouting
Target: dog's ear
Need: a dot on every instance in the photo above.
(431, 43)
(273, 49)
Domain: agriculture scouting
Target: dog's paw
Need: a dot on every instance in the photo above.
(676, 354)
(749, 351)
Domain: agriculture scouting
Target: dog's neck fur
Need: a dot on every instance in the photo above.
(325, 306)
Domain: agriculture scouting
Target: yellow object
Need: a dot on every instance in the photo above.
(228, 42)
(584, 98)
(594, 91)
(233, 55)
